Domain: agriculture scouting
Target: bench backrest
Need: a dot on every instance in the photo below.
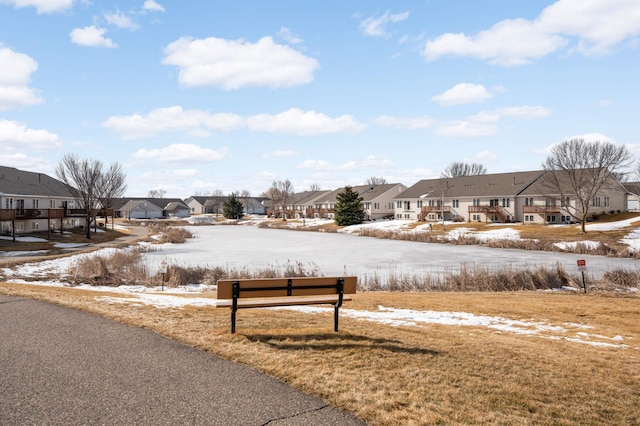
(282, 287)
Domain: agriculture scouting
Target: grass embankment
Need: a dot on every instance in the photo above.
(422, 374)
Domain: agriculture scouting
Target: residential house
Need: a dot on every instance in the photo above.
(32, 202)
(504, 197)
(543, 202)
(303, 204)
(150, 208)
(377, 201)
(633, 196)
(215, 204)
(196, 204)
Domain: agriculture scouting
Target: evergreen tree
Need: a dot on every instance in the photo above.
(348, 210)
(232, 208)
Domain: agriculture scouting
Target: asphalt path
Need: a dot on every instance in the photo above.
(61, 366)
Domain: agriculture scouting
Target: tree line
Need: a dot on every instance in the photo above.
(577, 168)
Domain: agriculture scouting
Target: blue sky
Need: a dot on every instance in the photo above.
(197, 96)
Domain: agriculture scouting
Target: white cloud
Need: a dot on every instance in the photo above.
(463, 93)
(15, 74)
(525, 112)
(152, 6)
(42, 6)
(465, 129)
(181, 153)
(370, 162)
(200, 123)
(121, 20)
(91, 36)
(194, 122)
(15, 136)
(315, 165)
(375, 26)
(234, 64)
(588, 27)
(286, 35)
(405, 122)
(303, 123)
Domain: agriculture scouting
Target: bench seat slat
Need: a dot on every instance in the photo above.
(280, 301)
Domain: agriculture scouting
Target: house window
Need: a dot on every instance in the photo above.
(35, 203)
(551, 218)
(506, 202)
(476, 201)
(407, 216)
(606, 201)
(52, 204)
(36, 226)
(399, 205)
(367, 206)
(407, 205)
(419, 204)
(476, 218)
(565, 219)
(8, 203)
(566, 201)
(455, 203)
(528, 201)
(528, 218)
(376, 206)
(399, 216)
(596, 202)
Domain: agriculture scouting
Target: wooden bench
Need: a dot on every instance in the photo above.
(267, 292)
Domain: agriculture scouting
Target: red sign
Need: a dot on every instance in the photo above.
(582, 265)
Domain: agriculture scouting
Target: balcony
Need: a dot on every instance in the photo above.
(553, 209)
(26, 214)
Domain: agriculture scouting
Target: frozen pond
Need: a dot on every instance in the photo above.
(344, 254)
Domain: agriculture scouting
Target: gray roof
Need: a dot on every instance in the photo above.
(489, 185)
(632, 187)
(367, 192)
(306, 197)
(20, 182)
(162, 203)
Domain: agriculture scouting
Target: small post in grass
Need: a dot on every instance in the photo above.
(163, 271)
(582, 267)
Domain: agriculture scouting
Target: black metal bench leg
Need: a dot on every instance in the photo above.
(335, 318)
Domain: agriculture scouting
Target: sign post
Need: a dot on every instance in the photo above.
(163, 271)
(582, 267)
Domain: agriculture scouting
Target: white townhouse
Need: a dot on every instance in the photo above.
(504, 197)
(377, 201)
(32, 202)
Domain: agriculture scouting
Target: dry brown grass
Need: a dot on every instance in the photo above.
(431, 374)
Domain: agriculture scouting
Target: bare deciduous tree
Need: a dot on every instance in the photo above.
(280, 193)
(315, 187)
(156, 193)
(90, 186)
(456, 169)
(583, 169)
(245, 199)
(112, 185)
(217, 200)
(375, 180)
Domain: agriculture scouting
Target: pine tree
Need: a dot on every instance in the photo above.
(348, 210)
(232, 208)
